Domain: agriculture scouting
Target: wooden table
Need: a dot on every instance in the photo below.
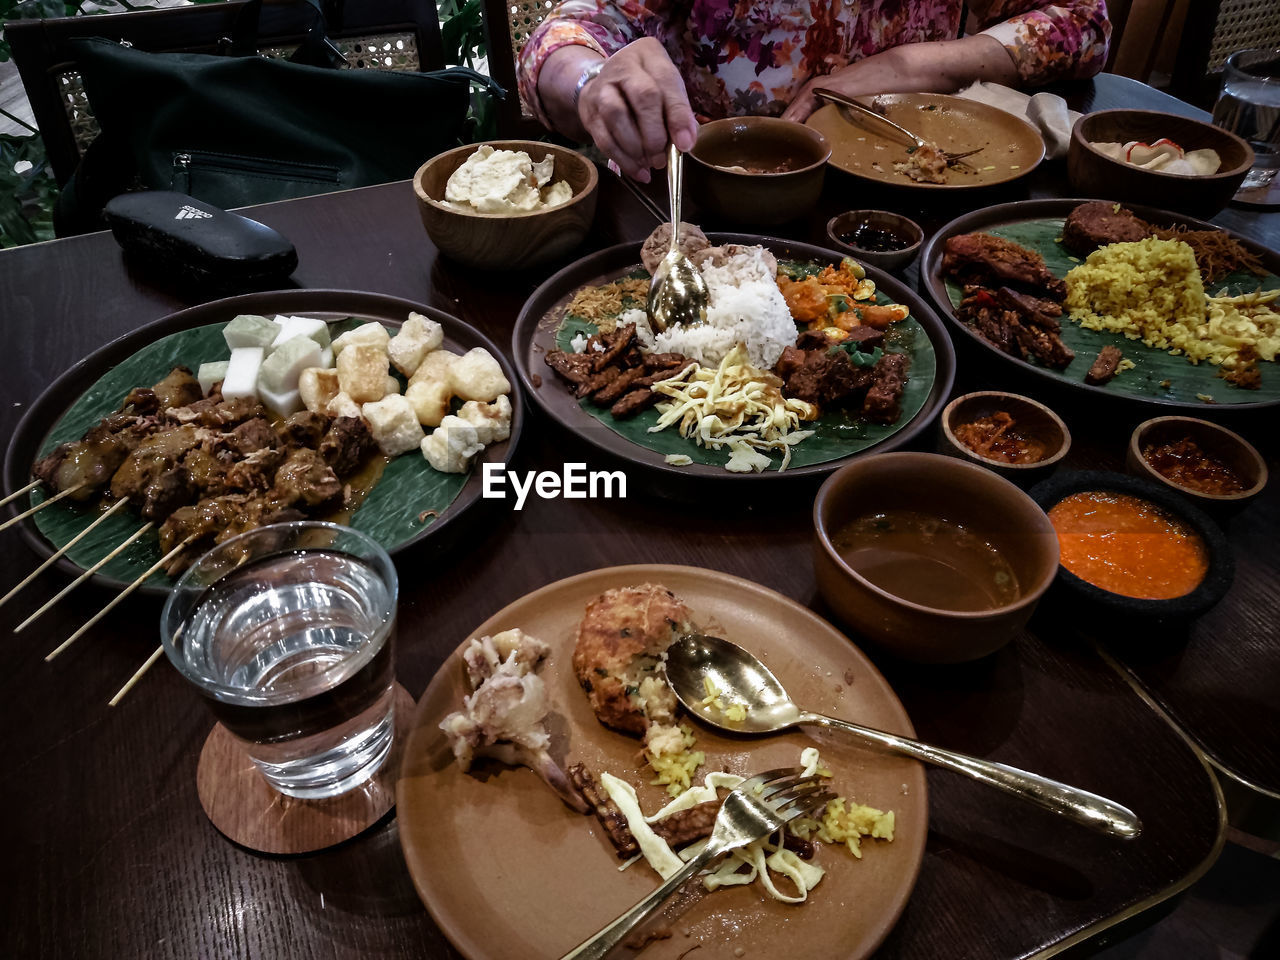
(108, 853)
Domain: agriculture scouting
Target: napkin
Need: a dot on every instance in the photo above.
(1047, 112)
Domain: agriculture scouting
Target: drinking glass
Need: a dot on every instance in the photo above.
(1249, 106)
(288, 632)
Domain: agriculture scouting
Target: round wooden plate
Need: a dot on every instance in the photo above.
(535, 333)
(509, 872)
(1158, 377)
(88, 391)
(1011, 147)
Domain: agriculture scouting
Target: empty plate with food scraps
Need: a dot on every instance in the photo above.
(1010, 147)
(805, 360)
(496, 791)
(1116, 300)
(355, 407)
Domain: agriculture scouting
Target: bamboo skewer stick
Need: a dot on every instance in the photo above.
(67, 546)
(17, 493)
(40, 506)
(84, 576)
(136, 676)
(120, 596)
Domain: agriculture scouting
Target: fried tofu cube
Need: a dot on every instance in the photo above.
(430, 401)
(491, 420)
(435, 366)
(393, 424)
(476, 375)
(371, 334)
(418, 336)
(393, 386)
(451, 445)
(343, 406)
(316, 387)
(362, 372)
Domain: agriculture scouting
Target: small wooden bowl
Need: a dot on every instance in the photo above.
(899, 226)
(1218, 442)
(950, 489)
(1093, 174)
(1032, 419)
(515, 241)
(768, 197)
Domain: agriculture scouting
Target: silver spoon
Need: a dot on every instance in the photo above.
(741, 678)
(838, 98)
(677, 293)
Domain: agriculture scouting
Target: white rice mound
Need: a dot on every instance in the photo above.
(745, 307)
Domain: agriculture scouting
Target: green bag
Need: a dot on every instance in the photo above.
(239, 130)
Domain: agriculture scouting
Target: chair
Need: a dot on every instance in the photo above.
(508, 24)
(373, 34)
(1214, 30)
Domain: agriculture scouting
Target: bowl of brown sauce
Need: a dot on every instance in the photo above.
(881, 238)
(1214, 467)
(932, 558)
(1017, 437)
(1133, 547)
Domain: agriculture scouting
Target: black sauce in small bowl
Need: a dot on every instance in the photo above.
(866, 237)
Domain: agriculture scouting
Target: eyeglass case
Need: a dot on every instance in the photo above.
(198, 242)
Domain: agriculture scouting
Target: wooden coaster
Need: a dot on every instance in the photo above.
(249, 811)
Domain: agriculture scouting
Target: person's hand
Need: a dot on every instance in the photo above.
(879, 73)
(636, 107)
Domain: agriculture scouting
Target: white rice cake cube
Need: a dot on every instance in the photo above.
(290, 327)
(241, 378)
(417, 337)
(283, 366)
(211, 373)
(393, 424)
(476, 375)
(371, 334)
(342, 406)
(362, 372)
(326, 358)
(249, 330)
(316, 387)
(281, 403)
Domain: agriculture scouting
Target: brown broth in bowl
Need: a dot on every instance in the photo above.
(927, 560)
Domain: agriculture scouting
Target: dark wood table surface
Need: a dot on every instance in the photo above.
(107, 850)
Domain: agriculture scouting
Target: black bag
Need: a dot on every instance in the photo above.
(238, 130)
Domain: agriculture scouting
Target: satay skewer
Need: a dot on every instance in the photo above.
(121, 595)
(65, 547)
(17, 493)
(155, 655)
(40, 506)
(84, 576)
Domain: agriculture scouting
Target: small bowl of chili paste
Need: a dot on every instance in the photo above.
(1017, 437)
(1215, 467)
(886, 240)
(1134, 548)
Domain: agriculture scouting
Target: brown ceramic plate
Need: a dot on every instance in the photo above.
(1011, 147)
(509, 872)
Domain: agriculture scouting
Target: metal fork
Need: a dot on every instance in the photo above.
(838, 98)
(754, 809)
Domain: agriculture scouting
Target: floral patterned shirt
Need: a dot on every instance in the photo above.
(752, 56)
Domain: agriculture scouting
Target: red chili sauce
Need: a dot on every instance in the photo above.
(996, 437)
(1184, 463)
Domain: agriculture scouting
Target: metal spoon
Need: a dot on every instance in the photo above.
(838, 98)
(742, 678)
(677, 293)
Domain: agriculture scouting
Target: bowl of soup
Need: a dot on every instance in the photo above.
(756, 171)
(934, 559)
(1134, 547)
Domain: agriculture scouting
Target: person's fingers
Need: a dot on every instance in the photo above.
(647, 102)
(614, 131)
(802, 106)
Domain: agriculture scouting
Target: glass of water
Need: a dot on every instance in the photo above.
(288, 632)
(1249, 107)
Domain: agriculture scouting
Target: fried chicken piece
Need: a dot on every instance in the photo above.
(504, 716)
(987, 260)
(621, 638)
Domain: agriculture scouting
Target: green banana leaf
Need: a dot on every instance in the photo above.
(389, 514)
(1155, 373)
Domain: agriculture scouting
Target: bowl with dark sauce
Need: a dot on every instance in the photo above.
(1017, 437)
(934, 559)
(883, 239)
(1134, 548)
(1214, 467)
